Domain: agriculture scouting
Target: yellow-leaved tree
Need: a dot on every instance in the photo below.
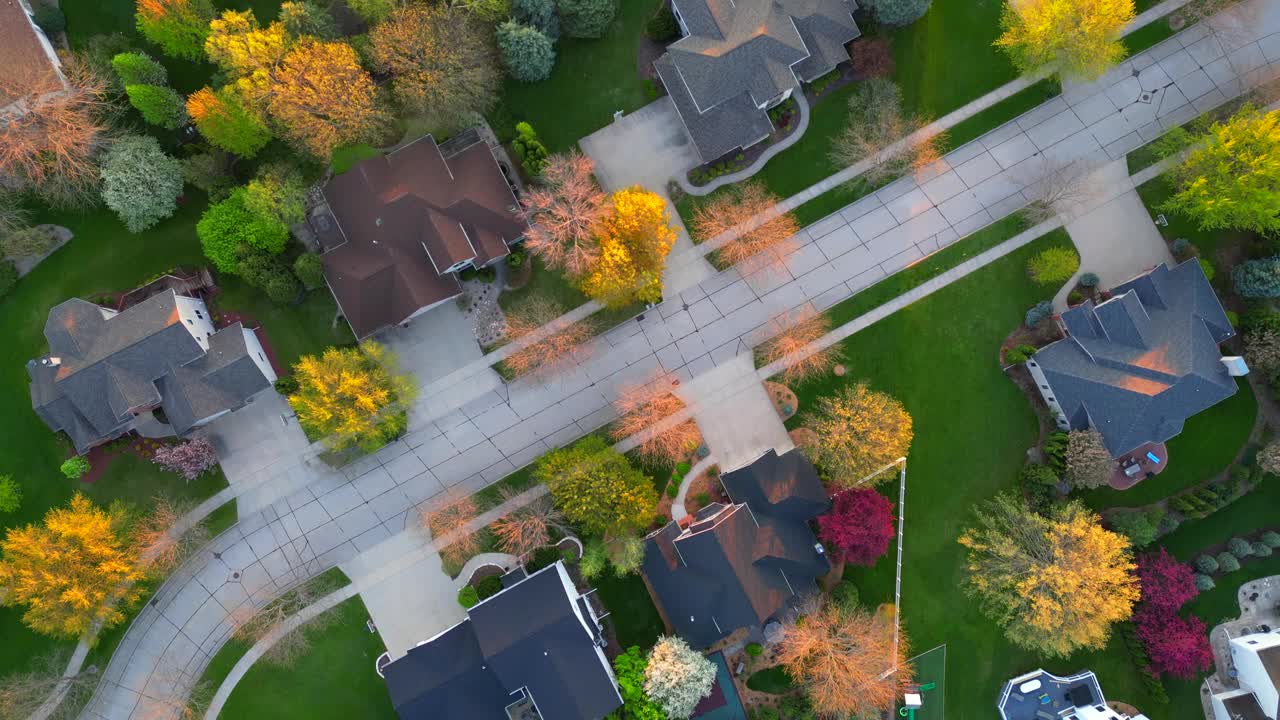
(1232, 177)
(1055, 584)
(352, 396)
(859, 432)
(1081, 36)
(72, 572)
(634, 239)
(238, 45)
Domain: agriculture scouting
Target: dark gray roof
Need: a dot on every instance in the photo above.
(1137, 366)
(739, 565)
(528, 636)
(102, 366)
(743, 53)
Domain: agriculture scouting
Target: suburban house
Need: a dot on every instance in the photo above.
(738, 58)
(1139, 364)
(1256, 658)
(26, 55)
(534, 651)
(158, 367)
(396, 229)
(745, 563)
(1039, 695)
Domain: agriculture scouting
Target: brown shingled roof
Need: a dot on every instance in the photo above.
(23, 60)
(407, 218)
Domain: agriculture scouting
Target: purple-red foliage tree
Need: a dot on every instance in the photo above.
(859, 526)
(1167, 584)
(1176, 645)
(190, 459)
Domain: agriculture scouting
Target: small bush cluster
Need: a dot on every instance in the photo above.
(529, 149)
(822, 82)
(1090, 280)
(1038, 313)
(468, 597)
(702, 175)
(309, 270)
(489, 586)
(10, 494)
(1142, 528)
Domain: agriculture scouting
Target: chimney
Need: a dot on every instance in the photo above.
(51, 361)
(1236, 366)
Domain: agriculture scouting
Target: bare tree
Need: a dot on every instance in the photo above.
(449, 518)
(48, 144)
(644, 405)
(768, 244)
(1058, 188)
(794, 334)
(162, 546)
(13, 216)
(529, 526)
(564, 212)
(557, 350)
(23, 693)
(876, 123)
(254, 624)
(171, 695)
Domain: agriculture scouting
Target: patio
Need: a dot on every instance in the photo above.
(1136, 465)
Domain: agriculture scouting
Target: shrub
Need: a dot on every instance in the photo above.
(1169, 523)
(539, 15)
(1204, 583)
(663, 26)
(545, 556)
(489, 586)
(529, 149)
(10, 494)
(8, 276)
(49, 18)
(75, 468)
(1053, 266)
(1038, 313)
(1037, 474)
(586, 18)
(1090, 280)
(1239, 547)
(595, 559)
(1206, 564)
(1233, 318)
(286, 385)
(1261, 549)
(486, 274)
(1180, 246)
(673, 490)
(190, 459)
(269, 275)
(899, 12)
(527, 53)
(515, 259)
(309, 270)
(1227, 562)
(755, 649)
(468, 597)
(1014, 356)
(139, 182)
(702, 498)
(227, 227)
(1271, 538)
(1136, 526)
(138, 68)
(1258, 278)
(1074, 297)
(683, 469)
(1207, 267)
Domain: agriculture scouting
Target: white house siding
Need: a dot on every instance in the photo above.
(195, 316)
(1252, 674)
(258, 354)
(1046, 392)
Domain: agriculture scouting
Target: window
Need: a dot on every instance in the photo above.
(189, 322)
(1050, 399)
(261, 358)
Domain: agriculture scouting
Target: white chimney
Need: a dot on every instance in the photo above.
(1236, 366)
(53, 360)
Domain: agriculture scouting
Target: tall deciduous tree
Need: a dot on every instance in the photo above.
(677, 676)
(877, 129)
(1081, 37)
(351, 396)
(138, 68)
(322, 98)
(842, 655)
(159, 105)
(859, 525)
(860, 432)
(179, 27)
(373, 11)
(1232, 177)
(760, 242)
(636, 705)
(553, 351)
(597, 488)
(140, 182)
(307, 18)
(72, 572)
(1166, 584)
(229, 228)
(563, 211)
(442, 60)
(240, 46)
(634, 241)
(586, 18)
(1055, 584)
(227, 121)
(645, 404)
(1089, 463)
(1177, 645)
(899, 12)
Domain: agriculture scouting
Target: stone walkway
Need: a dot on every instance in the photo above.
(469, 429)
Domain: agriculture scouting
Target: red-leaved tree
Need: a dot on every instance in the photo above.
(859, 525)
(1178, 646)
(1167, 584)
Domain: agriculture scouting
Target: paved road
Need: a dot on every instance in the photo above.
(469, 429)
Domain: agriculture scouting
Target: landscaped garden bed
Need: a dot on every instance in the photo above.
(785, 118)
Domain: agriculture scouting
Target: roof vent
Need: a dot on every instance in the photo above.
(51, 361)
(378, 222)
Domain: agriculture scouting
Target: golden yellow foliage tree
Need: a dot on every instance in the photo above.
(237, 44)
(1055, 584)
(72, 572)
(1232, 178)
(322, 98)
(634, 241)
(859, 432)
(1081, 36)
(352, 396)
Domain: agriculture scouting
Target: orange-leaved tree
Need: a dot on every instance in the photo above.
(645, 404)
(860, 432)
(634, 239)
(1055, 584)
(322, 98)
(553, 351)
(73, 572)
(563, 211)
(792, 343)
(762, 241)
(846, 659)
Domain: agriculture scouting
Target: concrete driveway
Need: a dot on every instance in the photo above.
(735, 414)
(648, 148)
(435, 344)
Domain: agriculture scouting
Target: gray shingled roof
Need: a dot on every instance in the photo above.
(141, 357)
(1137, 366)
(528, 636)
(740, 565)
(733, 124)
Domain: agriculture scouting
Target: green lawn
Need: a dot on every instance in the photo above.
(592, 80)
(557, 287)
(292, 330)
(632, 613)
(1206, 446)
(1147, 36)
(335, 680)
(972, 429)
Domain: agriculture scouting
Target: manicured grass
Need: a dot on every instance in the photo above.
(972, 429)
(1023, 101)
(1205, 448)
(1148, 36)
(335, 680)
(592, 80)
(345, 157)
(635, 619)
(773, 680)
(557, 287)
(292, 330)
(221, 519)
(1254, 511)
(1155, 192)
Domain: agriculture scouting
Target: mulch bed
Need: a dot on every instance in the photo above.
(519, 277)
(704, 483)
(1046, 333)
(783, 398)
(101, 456)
